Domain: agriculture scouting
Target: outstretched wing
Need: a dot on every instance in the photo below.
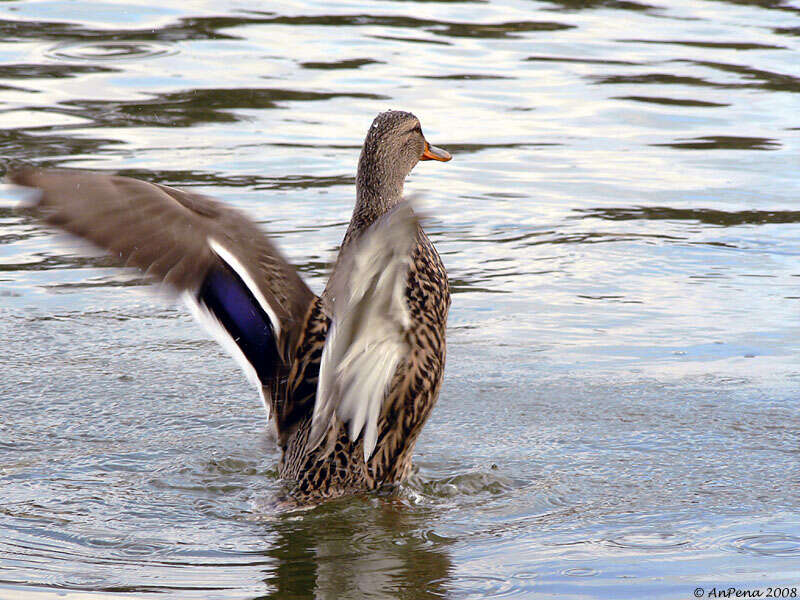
(233, 278)
(366, 341)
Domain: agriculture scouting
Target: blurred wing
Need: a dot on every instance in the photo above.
(233, 278)
(366, 341)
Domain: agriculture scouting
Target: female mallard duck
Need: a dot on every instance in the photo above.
(348, 377)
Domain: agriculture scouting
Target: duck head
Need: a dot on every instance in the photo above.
(393, 146)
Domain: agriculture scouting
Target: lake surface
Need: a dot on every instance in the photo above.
(622, 231)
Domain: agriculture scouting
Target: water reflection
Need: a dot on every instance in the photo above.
(709, 44)
(754, 78)
(49, 71)
(576, 5)
(673, 101)
(765, 80)
(502, 30)
(194, 106)
(777, 5)
(353, 63)
(700, 215)
(659, 79)
(19, 145)
(184, 29)
(577, 59)
(363, 548)
(724, 142)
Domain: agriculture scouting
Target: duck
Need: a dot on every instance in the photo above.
(347, 378)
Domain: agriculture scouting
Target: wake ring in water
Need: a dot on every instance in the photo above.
(648, 540)
(110, 51)
(580, 572)
(767, 544)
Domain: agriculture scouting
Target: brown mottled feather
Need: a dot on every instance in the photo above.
(337, 466)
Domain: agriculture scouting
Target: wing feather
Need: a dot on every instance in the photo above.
(366, 342)
(235, 281)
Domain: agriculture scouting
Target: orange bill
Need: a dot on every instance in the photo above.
(434, 153)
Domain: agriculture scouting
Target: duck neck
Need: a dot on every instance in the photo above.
(378, 189)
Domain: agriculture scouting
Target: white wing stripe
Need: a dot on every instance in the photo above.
(230, 259)
(221, 336)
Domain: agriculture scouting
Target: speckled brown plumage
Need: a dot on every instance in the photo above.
(336, 467)
(230, 270)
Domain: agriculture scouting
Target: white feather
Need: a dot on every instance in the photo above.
(212, 325)
(366, 341)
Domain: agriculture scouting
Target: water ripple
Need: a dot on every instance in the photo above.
(107, 51)
(649, 541)
(486, 586)
(766, 544)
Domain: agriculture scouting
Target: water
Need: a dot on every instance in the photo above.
(619, 416)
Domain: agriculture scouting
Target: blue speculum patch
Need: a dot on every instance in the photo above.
(230, 301)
